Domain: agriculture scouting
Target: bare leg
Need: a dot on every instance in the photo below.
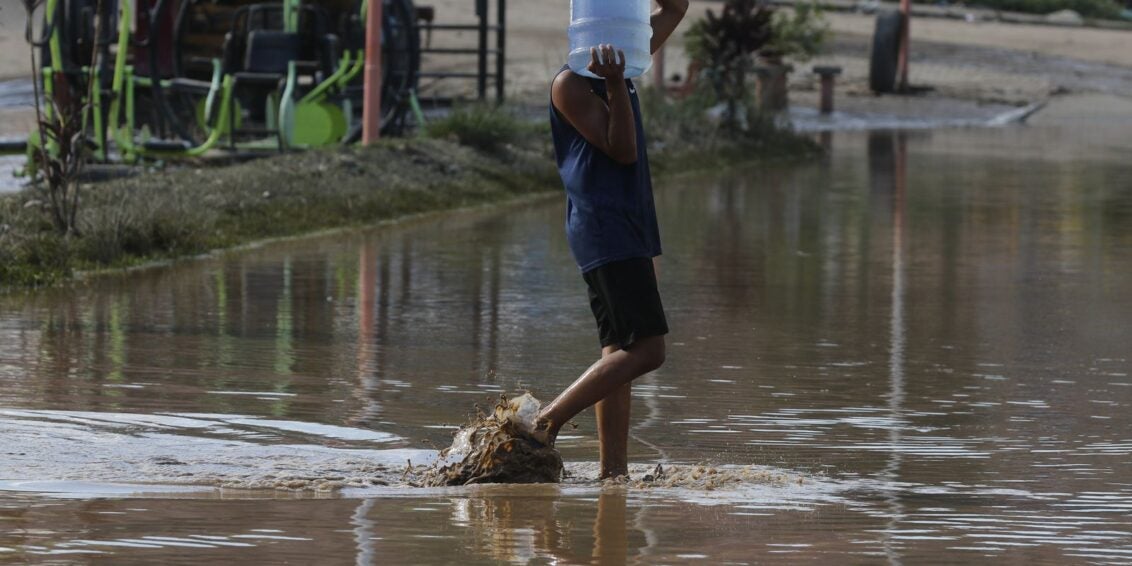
(613, 432)
(605, 384)
(613, 427)
(606, 377)
(613, 414)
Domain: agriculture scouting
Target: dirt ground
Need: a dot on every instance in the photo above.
(974, 61)
(13, 48)
(1087, 44)
(1004, 60)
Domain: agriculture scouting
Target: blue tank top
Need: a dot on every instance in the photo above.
(610, 215)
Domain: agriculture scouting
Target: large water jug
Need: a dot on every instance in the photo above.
(621, 23)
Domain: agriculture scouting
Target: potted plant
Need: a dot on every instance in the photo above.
(722, 49)
(797, 34)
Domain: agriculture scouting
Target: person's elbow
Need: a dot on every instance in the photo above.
(623, 155)
(627, 159)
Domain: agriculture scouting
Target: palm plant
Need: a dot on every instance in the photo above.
(724, 47)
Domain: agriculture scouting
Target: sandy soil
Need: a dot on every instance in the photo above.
(1087, 44)
(537, 35)
(988, 62)
(13, 48)
(537, 46)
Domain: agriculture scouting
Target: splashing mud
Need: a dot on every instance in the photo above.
(497, 448)
(702, 477)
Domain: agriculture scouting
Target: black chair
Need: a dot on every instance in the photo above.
(264, 73)
(319, 49)
(258, 53)
(268, 54)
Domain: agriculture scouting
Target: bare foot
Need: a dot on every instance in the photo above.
(544, 432)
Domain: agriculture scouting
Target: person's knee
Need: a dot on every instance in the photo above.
(653, 353)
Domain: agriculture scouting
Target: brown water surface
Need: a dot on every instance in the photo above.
(915, 350)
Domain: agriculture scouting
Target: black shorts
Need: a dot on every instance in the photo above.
(625, 302)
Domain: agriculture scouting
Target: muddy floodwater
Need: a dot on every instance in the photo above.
(913, 350)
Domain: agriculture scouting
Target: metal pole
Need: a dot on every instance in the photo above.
(905, 38)
(828, 74)
(827, 94)
(290, 17)
(371, 111)
(481, 81)
(500, 47)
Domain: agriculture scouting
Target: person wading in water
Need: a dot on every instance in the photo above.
(611, 227)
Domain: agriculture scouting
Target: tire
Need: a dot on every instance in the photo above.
(885, 52)
(400, 62)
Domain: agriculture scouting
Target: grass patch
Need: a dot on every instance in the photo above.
(478, 155)
(485, 126)
(689, 138)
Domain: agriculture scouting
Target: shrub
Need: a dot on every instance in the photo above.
(33, 261)
(672, 121)
(724, 47)
(799, 33)
(480, 126)
(691, 126)
(144, 223)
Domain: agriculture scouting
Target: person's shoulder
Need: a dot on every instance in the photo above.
(569, 86)
(567, 77)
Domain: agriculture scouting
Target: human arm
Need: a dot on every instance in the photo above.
(664, 21)
(609, 126)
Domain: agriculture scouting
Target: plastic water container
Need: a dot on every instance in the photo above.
(624, 24)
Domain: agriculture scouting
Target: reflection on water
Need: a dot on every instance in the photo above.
(888, 156)
(928, 330)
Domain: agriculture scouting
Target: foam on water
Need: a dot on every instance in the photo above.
(82, 489)
(79, 449)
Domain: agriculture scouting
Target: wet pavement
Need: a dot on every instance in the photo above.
(914, 350)
(17, 117)
(16, 94)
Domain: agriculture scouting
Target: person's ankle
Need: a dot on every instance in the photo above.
(615, 474)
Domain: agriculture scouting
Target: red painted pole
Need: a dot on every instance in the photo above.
(371, 109)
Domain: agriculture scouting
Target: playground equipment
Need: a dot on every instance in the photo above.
(183, 77)
(483, 29)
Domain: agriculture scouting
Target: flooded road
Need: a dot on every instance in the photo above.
(914, 350)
